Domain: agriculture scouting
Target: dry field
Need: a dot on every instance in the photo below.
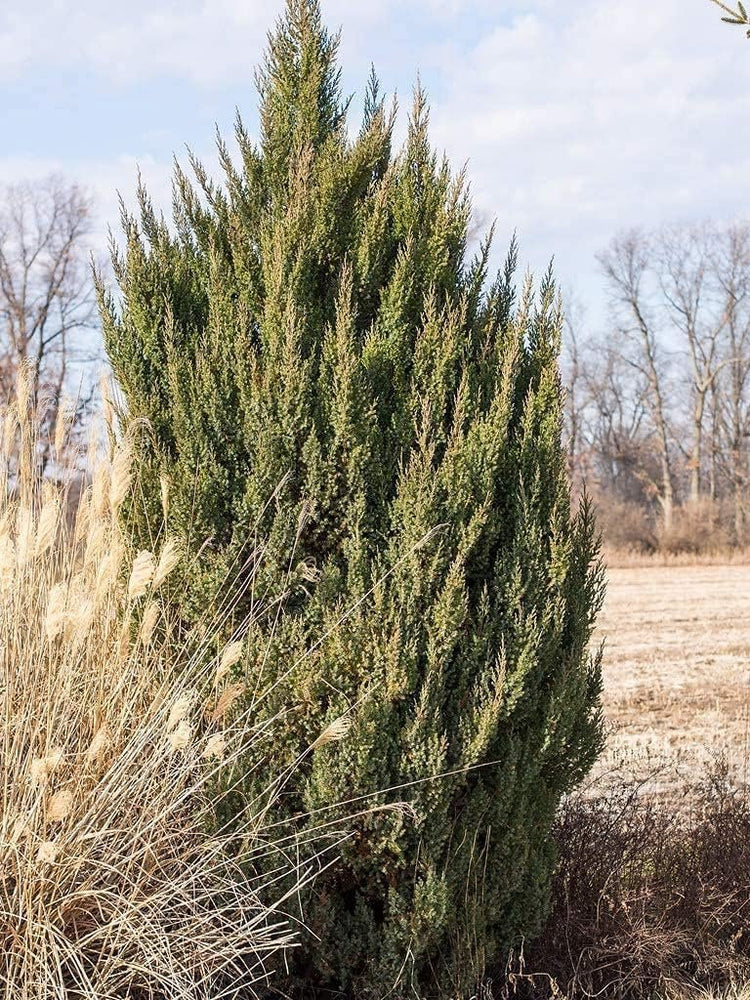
(677, 666)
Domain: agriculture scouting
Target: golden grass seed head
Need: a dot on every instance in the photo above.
(47, 526)
(108, 570)
(179, 710)
(99, 745)
(81, 619)
(121, 477)
(9, 428)
(43, 767)
(97, 538)
(231, 655)
(100, 490)
(18, 828)
(215, 747)
(54, 623)
(169, 559)
(141, 574)
(179, 737)
(148, 622)
(25, 535)
(47, 852)
(83, 515)
(122, 650)
(24, 385)
(60, 805)
(8, 562)
(164, 488)
(333, 732)
(227, 698)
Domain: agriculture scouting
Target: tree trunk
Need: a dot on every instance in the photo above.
(696, 457)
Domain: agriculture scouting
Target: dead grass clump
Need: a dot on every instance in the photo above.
(651, 897)
(701, 533)
(697, 528)
(626, 526)
(110, 883)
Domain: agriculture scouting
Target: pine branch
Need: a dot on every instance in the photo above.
(738, 16)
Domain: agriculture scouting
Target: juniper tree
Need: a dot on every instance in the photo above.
(331, 379)
(738, 16)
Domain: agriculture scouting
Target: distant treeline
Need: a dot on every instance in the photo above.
(658, 406)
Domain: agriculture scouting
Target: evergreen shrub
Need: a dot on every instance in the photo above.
(337, 392)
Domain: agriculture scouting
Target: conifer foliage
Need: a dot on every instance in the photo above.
(330, 380)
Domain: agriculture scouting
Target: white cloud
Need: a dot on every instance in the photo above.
(614, 116)
(205, 41)
(577, 119)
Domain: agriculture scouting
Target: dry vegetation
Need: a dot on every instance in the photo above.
(112, 737)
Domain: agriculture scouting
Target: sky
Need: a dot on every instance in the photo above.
(576, 118)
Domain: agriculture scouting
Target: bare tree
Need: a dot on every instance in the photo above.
(682, 259)
(47, 301)
(610, 438)
(681, 309)
(574, 367)
(730, 262)
(627, 268)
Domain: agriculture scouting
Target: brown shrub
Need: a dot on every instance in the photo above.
(626, 527)
(650, 896)
(697, 528)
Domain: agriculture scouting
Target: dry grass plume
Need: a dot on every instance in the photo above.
(110, 746)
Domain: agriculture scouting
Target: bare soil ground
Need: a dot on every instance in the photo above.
(677, 666)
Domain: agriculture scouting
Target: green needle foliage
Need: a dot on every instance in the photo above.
(331, 382)
(738, 16)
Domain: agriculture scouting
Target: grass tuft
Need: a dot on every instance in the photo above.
(110, 884)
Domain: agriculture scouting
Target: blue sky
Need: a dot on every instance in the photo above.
(578, 119)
